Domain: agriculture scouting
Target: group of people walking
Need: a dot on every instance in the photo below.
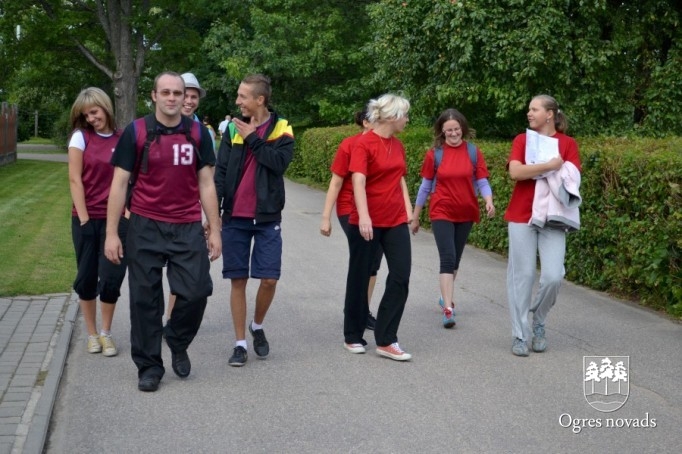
(375, 212)
(138, 200)
(155, 196)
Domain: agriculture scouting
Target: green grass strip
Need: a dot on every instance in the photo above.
(36, 250)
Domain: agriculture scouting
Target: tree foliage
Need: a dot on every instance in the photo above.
(311, 51)
(614, 66)
(104, 43)
(610, 63)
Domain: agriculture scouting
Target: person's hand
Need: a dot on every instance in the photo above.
(365, 226)
(113, 249)
(325, 227)
(490, 208)
(414, 226)
(214, 244)
(244, 129)
(555, 163)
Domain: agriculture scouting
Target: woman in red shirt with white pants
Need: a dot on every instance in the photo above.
(527, 240)
(379, 218)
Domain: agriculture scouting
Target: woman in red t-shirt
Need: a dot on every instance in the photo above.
(91, 145)
(527, 240)
(340, 193)
(379, 218)
(453, 206)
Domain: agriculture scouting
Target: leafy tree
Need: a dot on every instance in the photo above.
(115, 37)
(606, 61)
(310, 50)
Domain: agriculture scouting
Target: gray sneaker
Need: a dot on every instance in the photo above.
(238, 358)
(519, 347)
(539, 342)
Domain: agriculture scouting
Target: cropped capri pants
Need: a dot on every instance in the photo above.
(451, 237)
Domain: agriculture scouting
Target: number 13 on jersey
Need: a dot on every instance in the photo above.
(183, 154)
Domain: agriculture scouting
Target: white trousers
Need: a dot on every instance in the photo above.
(525, 242)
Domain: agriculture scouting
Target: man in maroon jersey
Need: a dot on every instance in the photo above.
(173, 181)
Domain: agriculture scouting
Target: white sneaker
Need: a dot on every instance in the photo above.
(355, 348)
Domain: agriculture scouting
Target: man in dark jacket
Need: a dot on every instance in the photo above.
(252, 158)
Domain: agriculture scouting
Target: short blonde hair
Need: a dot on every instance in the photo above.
(387, 107)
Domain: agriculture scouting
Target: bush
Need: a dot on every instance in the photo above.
(630, 241)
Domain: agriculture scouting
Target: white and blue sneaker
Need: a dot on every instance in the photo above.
(448, 314)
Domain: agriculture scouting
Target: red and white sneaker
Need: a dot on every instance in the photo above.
(394, 352)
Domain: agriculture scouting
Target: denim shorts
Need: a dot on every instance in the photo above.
(266, 255)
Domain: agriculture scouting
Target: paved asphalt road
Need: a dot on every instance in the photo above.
(463, 391)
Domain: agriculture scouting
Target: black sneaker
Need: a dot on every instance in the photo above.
(238, 358)
(149, 383)
(260, 343)
(181, 364)
(371, 321)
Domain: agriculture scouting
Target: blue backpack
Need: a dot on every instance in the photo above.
(473, 156)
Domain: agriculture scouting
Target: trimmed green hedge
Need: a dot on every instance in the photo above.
(630, 240)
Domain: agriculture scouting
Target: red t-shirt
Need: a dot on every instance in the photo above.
(455, 199)
(382, 161)
(521, 203)
(97, 172)
(345, 200)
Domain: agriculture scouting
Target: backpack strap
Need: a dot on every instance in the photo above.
(438, 158)
(187, 125)
(142, 159)
(473, 157)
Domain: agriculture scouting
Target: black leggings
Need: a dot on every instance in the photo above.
(450, 240)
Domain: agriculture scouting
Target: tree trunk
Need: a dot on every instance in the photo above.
(125, 97)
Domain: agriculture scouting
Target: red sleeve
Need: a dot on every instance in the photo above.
(570, 151)
(342, 158)
(481, 166)
(518, 149)
(358, 158)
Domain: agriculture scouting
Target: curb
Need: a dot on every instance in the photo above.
(37, 433)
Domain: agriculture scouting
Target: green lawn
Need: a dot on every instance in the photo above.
(36, 251)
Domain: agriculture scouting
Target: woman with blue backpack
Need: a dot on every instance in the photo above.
(459, 169)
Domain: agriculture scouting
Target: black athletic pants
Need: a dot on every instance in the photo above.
(150, 246)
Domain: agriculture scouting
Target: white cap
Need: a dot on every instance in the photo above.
(192, 82)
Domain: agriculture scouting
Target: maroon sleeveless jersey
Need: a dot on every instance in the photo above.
(169, 190)
(97, 172)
